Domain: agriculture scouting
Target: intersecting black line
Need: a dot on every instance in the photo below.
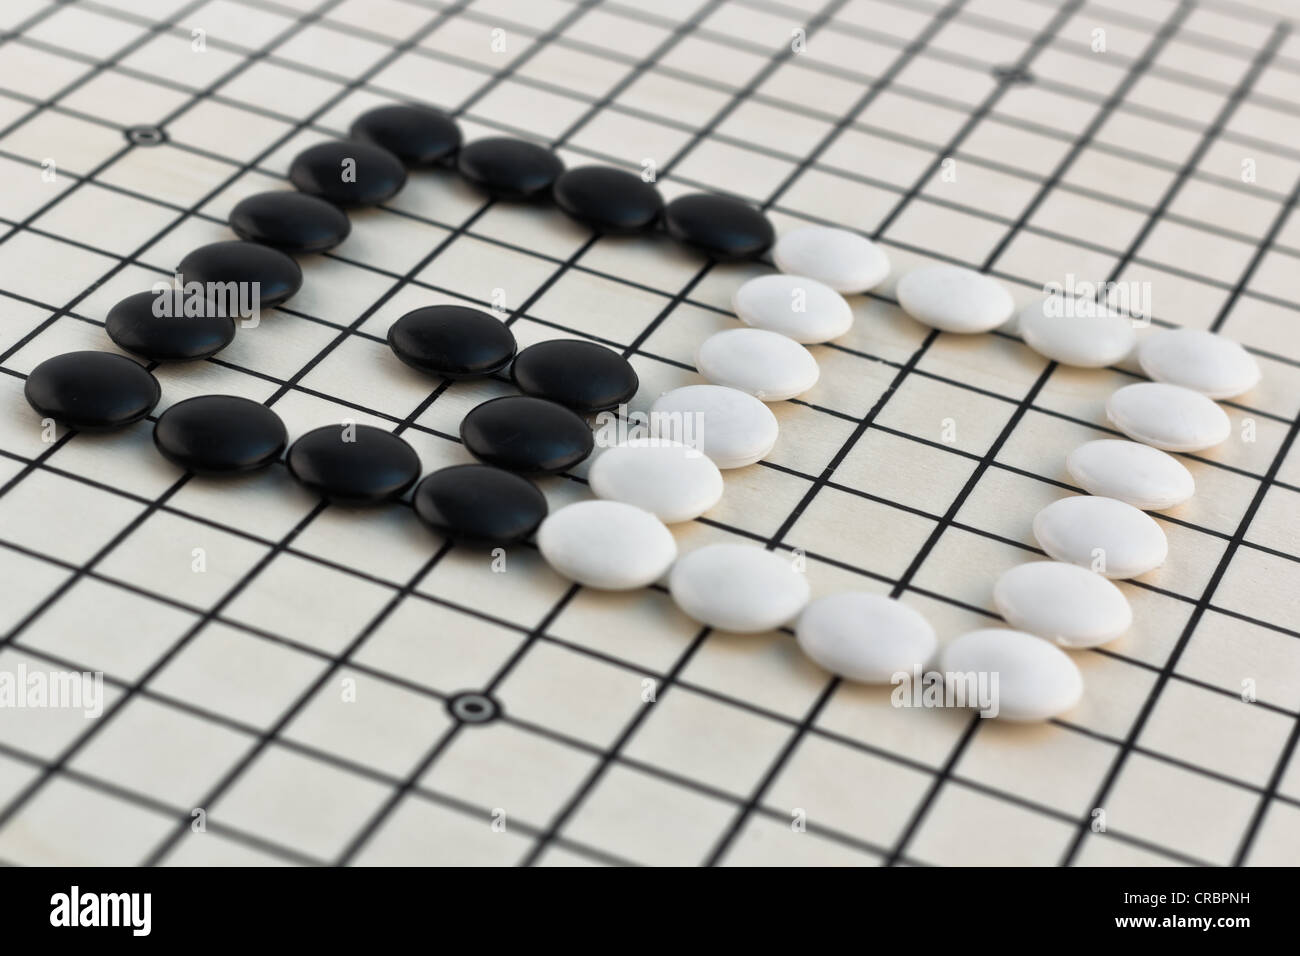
(1134, 75)
(972, 121)
(364, 770)
(230, 778)
(423, 765)
(1254, 190)
(1278, 35)
(1173, 270)
(811, 26)
(42, 463)
(733, 42)
(979, 213)
(15, 804)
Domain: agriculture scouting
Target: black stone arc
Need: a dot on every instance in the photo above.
(540, 432)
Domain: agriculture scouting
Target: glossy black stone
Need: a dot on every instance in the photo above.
(581, 375)
(374, 466)
(348, 173)
(452, 341)
(417, 135)
(220, 435)
(718, 226)
(290, 221)
(479, 504)
(525, 434)
(135, 325)
(92, 391)
(608, 200)
(509, 168)
(242, 263)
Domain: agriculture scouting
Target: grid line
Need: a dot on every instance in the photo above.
(544, 835)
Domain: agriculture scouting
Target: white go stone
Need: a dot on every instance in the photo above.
(1136, 474)
(838, 258)
(672, 481)
(607, 545)
(954, 298)
(1036, 679)
(738, 587)
(864, 637)
(767, 365)
(1202, 361)
(1168, 417)
(731, 427)
(1062, 602)
(1101, 534)
(801, 308)
(1083, 340)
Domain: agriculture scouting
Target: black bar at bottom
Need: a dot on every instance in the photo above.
(303, 905)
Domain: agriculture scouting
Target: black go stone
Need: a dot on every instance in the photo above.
(525, 434)
(92, 391)
(509, 168)
(220, 435)
(581, 375)
(479, 504)
(135, 325)
(373, 175)
(452, 341)
(353, 464)
(290, 221)
(417, 135)
(608, 200)
(243, 263)
(719, 226)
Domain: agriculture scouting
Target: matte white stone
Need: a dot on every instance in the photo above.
(1035, 678)
(1101, 534)
(864, 637)
(1085, 340)
(767, 365)
(1168, 417)
(1205, 362)
(668, 479)
(1136, 474)
(606, 544)
(1062, 602)
(954, 298)
(838, 258)
(796, 306)
(731, 427)
(738, 587)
